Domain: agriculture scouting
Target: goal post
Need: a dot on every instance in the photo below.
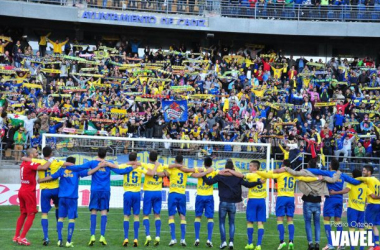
(84, 148)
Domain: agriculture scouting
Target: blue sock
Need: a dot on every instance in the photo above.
(183, 229)
(70, 231)
(291, 231)
(172, 229)
(59, 229)
(281, 231)
(376, 240)
(210, 228)
(260, 236)
(93, 224)
(158, 227)
(136, 226)
(361, 248)
(250, 231)
(328, 232)
(146, 225)
(45, 227)
(197, 228)
(56, 214)
(126, 229)
(370, 231)
(103, 225)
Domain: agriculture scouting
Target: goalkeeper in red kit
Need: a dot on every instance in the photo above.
(27, 196)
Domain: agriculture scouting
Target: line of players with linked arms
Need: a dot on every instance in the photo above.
(59, 182)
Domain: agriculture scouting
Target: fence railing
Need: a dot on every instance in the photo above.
(297, 12)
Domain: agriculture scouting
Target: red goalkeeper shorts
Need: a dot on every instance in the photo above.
(28, 202)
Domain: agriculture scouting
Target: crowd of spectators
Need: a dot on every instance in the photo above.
(251, 94)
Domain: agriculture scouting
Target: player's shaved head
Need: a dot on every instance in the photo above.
(47, 151)
(179, 159)
(30, 152)
(207, 162)
(70, 159)
(153, 155)
(102, 153)
(132, 156)
(255, 163)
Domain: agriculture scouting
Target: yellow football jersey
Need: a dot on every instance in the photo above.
(374, 185)
(202, 188)
(178, 180)
(357, 196)
(54, 167)
(132, 181)
(285, 181)
(153, 183)
(259, 191)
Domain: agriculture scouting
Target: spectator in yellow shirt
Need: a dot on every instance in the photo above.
(57, 46)
(2, 46)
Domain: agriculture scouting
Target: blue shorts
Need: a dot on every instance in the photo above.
(46, 196)
(204, 203)
(132, 200)
(372, 214)
(152, 199)
(176, 203)
(100, 200)
(285, 206)
(256, 210)
(355, 218)
(333, 207)
(68, 207)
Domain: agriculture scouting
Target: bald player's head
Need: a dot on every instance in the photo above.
(32, 153)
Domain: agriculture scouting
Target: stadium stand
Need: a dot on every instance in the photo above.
(246, 94)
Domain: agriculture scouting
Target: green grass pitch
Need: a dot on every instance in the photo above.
(115, 234)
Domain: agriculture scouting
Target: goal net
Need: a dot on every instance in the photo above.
(84, 148)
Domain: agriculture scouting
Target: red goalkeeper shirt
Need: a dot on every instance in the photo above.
(28, 172)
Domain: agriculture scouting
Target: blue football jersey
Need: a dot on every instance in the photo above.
(68, 182)
(101, 179)
(337, 186)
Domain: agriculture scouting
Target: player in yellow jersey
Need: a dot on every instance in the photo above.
(177, 197)
(49, 190)
(204, 202)
(153, 195)
(372, 211)
(285, 201)
(256, 206)
(132, 198)
(357, 196)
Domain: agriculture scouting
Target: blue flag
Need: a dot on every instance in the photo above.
(175, 111)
